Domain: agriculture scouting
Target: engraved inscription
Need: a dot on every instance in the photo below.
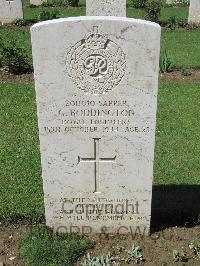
(96, 160)
(100, 116)
(96, 64)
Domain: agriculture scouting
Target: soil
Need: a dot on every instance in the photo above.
(175, 76)
(10, 235)
(156, 249)
(6, 77)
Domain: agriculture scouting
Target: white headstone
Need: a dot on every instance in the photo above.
(194, 12)
(170, 2)
(106, 8)
(10, 10)
(96, 85)
(37, 2)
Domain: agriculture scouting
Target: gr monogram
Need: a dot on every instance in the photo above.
(96, 64)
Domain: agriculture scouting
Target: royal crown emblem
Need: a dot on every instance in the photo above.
(96, 64)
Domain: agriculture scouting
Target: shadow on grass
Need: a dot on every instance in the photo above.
(175, 205)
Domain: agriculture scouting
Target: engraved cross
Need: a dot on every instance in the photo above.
(96, 160)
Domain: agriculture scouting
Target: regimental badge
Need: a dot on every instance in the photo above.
(96, 64)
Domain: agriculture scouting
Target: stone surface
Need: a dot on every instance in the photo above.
(194, 12)
(96, 85)
(37, 2)
(106, 8)
(170, 2)
(10, 10)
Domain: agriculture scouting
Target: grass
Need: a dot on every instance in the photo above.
(178, 139)
(183, 46)
(177, 149)
(33, 13)
(166, 13)
(41, 247)
(179, 12)
(177, 43)
(22, 35)
(20, 174)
